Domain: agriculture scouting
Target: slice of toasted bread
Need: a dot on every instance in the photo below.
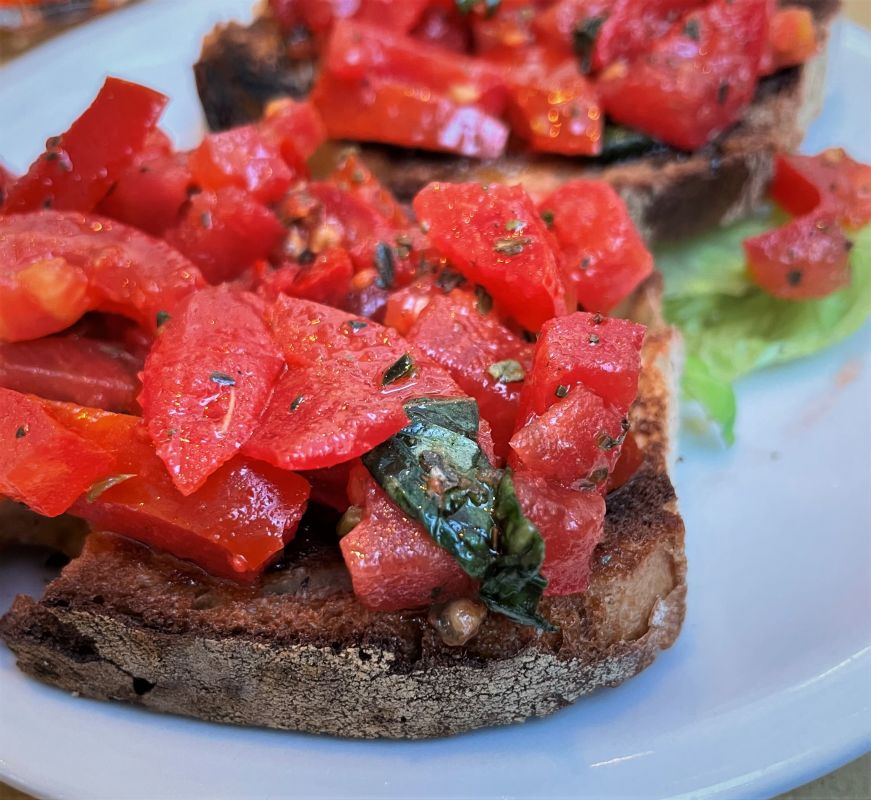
(670, 194)
(125, 623)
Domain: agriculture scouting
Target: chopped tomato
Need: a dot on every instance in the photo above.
(42, 464)
(319, 15)
(559, 26)
(72, 369)
(225, 232)
(831, 178)
(329, 486)
(792, 39)
(344, 390)
(495, 237)
(486, 360)
(55, 266)
(444, 26)
(802, 260)
(296, 129)
(352, 175)
(630, 461)
(576, 441)
(358, 52)
(232, 527)
(150, 193)
(385, 110)
(556, 110)
(394, 563)
(326, 279)
(80, 166)
(598, 353)
(405, 305)
(695, 82)
(603, 255)
(244, 158)
(570, 522)
(506, 33)
(206, 381)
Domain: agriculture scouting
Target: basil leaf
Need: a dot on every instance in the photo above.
(584, 40)
(434, 470)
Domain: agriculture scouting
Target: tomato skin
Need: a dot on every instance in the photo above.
(326, 280)
(676, 92)
(225, 232)
(557, 110)
(831, 179)
(805, 259)
(630, 461)
(555, 26)
(599, 353)
(296, 129)
(394, 563)
(455, 334)
(576, 441)
(232, 527)
(58, 265)
(150, 193)
(244, 158)
(329, 486)
(443, 26)
(358, 51)
(571, 524)
(72, 369)
(320, 15)
(206, 381)
(352, 175)
(330, 405)
(494, 236)
(80, 166)
(42, 464)
(408, 116)
(405, 305)
(603, 255)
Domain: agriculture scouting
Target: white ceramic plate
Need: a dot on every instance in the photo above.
(769, 684)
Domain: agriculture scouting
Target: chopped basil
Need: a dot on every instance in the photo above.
(434, 470)
(511, 245)
(222, 379)
(621, 142)
(605, 441)
(449, 279)
(691, 29)
(584, 40)
(21, 432)
(402, 368)
(162, 317)
(297, 401)
(723, 93)
(515, 225)
(107, 483)
(547, 217)
(385, 264)
(206, 219)
(594, 338)
(508, 371)
(357, 324)
(562, 390)
(483, 301)
(466, 6)
(404, 245)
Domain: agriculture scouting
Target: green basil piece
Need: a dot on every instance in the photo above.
(385, 265)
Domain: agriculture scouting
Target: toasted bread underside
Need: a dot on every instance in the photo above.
(670, 194)
(299, 652)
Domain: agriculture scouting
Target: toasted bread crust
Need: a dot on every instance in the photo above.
(125, 623)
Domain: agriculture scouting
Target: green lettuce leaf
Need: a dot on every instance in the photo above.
(731, 327)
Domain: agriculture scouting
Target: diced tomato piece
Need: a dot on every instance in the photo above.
(327, 279)
(557, 110)
(42, 464)
(802, 260)
(405, 305)
(792, 39)
(442, 25)
(352, 175)
(577, 439)
(296, 129)
(495, 237)
(472, 346)
(630, 461)
(831, 178)
(224, 232)
(357, 52)
(503, 34)
(557, 26)
(603, 254)
(74, 370)
(394, 563)
(385, 110)
(599, 353)
(244, 158)
(629, 27)
(206, 381)
(55, 266)
(329, 486)
(150, 193)
(697, 81)
(320, 15)
(337, 400)
(571, 524)
(80, 166)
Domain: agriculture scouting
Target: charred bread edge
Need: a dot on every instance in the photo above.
(371, 685)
